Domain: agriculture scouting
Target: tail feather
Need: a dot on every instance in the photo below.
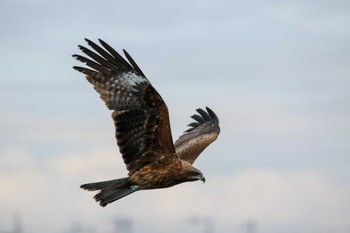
(111, 190)
(102, 185)
(110, 195)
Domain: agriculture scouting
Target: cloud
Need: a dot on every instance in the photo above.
(294, 199)
(41, 189)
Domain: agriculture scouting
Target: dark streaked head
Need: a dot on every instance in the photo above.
(193, 174)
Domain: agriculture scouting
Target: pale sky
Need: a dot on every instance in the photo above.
(277, 73)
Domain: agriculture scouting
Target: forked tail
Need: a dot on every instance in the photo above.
(111, 190)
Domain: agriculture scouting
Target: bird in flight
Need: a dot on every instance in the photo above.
(142, 127)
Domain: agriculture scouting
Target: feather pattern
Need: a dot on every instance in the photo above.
(140, 115)
(201, 134)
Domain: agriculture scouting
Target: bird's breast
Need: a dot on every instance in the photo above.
(155, 177)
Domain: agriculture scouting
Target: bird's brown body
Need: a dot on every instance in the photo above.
(155, 176)
(142, 126)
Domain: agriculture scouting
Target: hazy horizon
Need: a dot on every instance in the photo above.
(276, 73)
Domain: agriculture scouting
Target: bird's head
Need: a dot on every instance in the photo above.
(193, 174)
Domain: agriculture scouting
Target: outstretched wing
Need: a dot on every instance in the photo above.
(140, 115)
(202, 132)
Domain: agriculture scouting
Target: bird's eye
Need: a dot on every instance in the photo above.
(195, 174)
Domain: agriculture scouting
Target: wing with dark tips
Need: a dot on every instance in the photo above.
(140, 115)
(201, 134)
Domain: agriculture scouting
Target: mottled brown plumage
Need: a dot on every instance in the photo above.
(196, 139)
(142, 127)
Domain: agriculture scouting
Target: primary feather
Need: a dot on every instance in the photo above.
(200, 135)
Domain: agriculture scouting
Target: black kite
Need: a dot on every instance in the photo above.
(142, 127)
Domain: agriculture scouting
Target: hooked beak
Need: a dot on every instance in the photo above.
(202, 178)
